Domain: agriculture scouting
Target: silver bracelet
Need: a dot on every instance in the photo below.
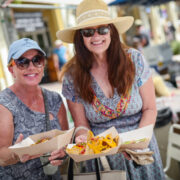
(79, 128)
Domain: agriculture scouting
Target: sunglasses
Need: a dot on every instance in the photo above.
(23, 63)
(90, 32)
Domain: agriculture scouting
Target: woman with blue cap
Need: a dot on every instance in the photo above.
(22, 111)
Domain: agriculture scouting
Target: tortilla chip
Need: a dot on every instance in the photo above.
(95, 144)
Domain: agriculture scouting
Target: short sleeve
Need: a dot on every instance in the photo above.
(68, 89)
(143, 72)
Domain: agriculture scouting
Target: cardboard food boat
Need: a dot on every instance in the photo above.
(136, 139)
(140, 139)
(57, 140)
(79, 158)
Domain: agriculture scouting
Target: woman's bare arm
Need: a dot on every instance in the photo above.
(79, 118)
(149, 111)
(6, 137)
(62, 116)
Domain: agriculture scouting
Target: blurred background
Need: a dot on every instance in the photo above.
(156, 33)
(41, 19)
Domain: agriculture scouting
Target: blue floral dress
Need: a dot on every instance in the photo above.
(122, 112)
(28, 122)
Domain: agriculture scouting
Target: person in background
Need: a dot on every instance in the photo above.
(59, 54)
(169, 31)
(136, 43)
(22, 112)
(141, 33)
(108, 84)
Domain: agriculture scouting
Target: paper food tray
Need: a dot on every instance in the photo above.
(79, 158)
(58, 140)
(137, 134)
(140, 133)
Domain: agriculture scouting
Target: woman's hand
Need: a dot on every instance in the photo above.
(20, 138)
(81, 134)
(15, 157)
(60, 153)
(25, 157)
(81, 138)
(126, 155)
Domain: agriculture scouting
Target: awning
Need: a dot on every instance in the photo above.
(140, 2)
(5, 3)
(41, 3)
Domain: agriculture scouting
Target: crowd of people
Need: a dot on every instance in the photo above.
(105, 84)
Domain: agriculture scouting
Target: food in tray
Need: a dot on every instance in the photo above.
(136, 141)
(41, 141)
(94, 144)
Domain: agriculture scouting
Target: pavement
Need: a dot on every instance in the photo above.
(161, 134)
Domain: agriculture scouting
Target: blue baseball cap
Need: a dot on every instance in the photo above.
(19, 47)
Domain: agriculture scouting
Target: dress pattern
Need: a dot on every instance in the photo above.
(108, 112)
(28, 122)
(124, 116)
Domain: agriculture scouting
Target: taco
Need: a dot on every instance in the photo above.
(41, 141)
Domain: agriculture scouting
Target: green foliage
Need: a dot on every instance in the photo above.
(175, 46)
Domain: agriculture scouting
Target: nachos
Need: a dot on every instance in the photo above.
(94, 144)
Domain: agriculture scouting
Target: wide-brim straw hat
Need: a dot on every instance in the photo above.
(93, 13)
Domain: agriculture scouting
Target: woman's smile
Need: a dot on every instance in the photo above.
(31, 75)
(97, 43)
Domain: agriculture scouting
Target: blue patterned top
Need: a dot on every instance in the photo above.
(104, 109)
(124, 113)
(28, 122)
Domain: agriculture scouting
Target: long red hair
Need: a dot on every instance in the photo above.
(121, 69)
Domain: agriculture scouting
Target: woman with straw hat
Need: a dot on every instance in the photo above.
(107, 84)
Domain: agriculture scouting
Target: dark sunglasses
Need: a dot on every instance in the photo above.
(90, 32)
(23, 63)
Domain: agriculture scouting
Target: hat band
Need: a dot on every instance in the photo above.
(93, 14)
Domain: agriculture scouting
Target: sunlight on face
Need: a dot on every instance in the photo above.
(30, 76)
(97, 44)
